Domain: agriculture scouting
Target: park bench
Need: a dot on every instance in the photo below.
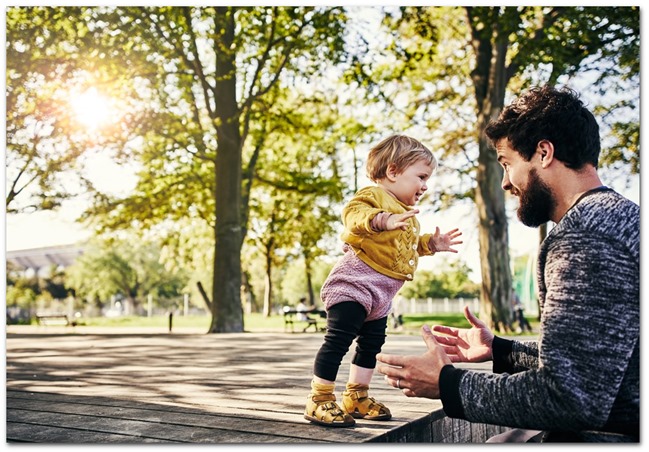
(54, 319)
(290, 318)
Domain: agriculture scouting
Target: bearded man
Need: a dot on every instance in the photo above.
(581, 380)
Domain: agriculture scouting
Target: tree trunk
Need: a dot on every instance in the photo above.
(308, 274)
(130, 305)
(495, 306)
(268, 287)
(309, 282)
(227, 312)
(489, 79)
(543, 233)
(248, 294)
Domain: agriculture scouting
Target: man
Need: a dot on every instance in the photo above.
(581, 381)
(303, 316)
(519, 314)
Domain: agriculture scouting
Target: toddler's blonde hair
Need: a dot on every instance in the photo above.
(400, 151)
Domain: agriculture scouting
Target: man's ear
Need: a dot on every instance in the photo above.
(545, 151)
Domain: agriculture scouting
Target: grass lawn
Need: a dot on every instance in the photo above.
(256, 322)
(253, 322)
(412, 323)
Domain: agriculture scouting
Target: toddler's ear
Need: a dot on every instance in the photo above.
(391, 172)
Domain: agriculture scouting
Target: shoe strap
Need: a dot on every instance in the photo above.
(333, 409)
(357, 395)
(323, 398)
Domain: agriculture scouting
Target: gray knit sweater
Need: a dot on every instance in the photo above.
(581, 381)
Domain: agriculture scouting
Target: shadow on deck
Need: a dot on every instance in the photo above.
(249, 388)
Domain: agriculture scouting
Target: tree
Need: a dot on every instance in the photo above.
(60, 105)
(562, 37)
(22, 290)
(268, 234)
(39, 148)
(217, 71)
(454, 67)
(299, 175)
(295, 284)
(452, 281)
(206, 92)
(123, 266)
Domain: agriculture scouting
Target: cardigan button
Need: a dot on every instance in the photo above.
(409, 276)
(411, 262)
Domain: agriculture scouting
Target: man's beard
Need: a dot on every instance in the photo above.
(536, 202)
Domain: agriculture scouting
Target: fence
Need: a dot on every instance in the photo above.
(77, 308)
(434, 305)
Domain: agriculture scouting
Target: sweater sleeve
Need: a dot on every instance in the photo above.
(590, 327)
(424, 248)
(514, 356)
(505, 360)
(359, 212)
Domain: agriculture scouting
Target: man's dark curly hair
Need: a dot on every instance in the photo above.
(553, 114)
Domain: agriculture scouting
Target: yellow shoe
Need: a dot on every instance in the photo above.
(358, 404)
(321, 407)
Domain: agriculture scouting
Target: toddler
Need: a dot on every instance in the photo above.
(382, 245)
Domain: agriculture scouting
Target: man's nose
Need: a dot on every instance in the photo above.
(505, 184)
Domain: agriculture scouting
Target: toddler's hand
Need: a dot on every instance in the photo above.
(444, 242)
(398, 220)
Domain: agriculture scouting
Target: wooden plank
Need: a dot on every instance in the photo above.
(24, 433)
(82, 404)
(227, 388)
(139, 430)
(282, 427)
(164, 415)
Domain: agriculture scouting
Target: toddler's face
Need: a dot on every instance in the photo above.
(410, 185)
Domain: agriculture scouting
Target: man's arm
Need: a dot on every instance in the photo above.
(590, 329)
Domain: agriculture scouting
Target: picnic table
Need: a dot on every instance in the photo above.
(55, 319)
(291, 316)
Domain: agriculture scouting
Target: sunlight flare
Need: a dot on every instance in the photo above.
(91, 108)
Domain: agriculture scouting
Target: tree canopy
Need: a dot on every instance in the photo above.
(235, 116)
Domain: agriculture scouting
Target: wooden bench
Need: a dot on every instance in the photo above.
(290, 318)
(54, 319)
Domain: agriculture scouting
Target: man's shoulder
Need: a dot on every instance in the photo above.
(605, 215)
(603, 203)
(605, 208)
(609, 199)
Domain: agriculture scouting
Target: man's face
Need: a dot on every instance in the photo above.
(522, 179)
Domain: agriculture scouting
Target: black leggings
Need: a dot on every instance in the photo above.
(346, 322)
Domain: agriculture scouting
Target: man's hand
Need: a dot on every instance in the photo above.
(468, 345)
(416, 376)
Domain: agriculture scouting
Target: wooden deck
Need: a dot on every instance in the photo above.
(78, 385)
